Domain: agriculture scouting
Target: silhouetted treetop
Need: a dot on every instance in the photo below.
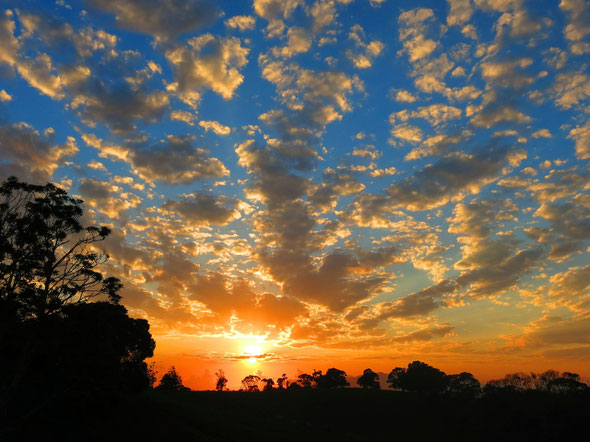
(221, 380)
(171, 381)
(47, 258)
(418, 377)
(369, 380)
(462, 384)
(333, 378)
(551, 381)
(268, 384)
(250, 382)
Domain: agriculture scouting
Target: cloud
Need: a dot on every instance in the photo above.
(241, 22)
(216, 127)
(106, 198)
(200, 209)
(298, 41)
(570, 89)
(577, 28)
(174, 161)
(365, 52)
(5, 96)
(436, 184)
(275, 11)
(224, 298)
(209, 62)
(413, 27)
(163, 19)
(460, 12)
(29, 156)
(581, 136)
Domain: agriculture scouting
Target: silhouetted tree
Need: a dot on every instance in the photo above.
(306, 380)
(550, 381)
(171, 381)
(151, 374)
(250, 382)
(54, 344)
(333, 378)
(418, 377)
(566, 383)
(47, 258)
(462, 384)
(282, 382)
(268, 384)
(221, 380)
(395, 378)
(369, 380)
(294, 386)
(513, 381)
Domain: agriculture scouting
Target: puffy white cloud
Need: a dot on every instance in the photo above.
(209, 62)
(241, 22)
(460, 12)
(365, 52)
(215, 127)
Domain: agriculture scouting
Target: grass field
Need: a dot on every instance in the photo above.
(344, 415)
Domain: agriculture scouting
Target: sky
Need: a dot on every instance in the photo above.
(300, 184)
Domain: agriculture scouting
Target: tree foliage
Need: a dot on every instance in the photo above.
(333, 378)
(550, 381)
(369, 380)
(171, 381)
(268, 384)
(55, 344)
(47, 258)
(221, 380)
(250, 382)
(419, 377)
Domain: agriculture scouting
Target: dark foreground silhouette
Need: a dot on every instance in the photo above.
(75, 370)
(320, 415)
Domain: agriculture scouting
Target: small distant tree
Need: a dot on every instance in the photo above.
(369, 380)
(171, 381)
(221, 380)
(333, 378)
(250, 383)
(282, 382)
(268, 384)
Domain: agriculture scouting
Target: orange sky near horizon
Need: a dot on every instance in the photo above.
(233, 356)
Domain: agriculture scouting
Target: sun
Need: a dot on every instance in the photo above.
(253, 351)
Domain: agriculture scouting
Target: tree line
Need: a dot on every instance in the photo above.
(418, 377)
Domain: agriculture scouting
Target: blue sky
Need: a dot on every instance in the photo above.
(399, 177)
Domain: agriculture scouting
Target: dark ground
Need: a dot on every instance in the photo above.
(342, 415)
